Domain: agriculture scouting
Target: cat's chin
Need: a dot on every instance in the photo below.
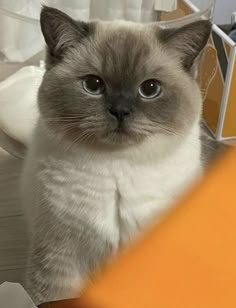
(121, 138)
(110, 137)
(115, 139)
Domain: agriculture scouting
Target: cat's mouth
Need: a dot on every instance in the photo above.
(122, 134)
(121, 128)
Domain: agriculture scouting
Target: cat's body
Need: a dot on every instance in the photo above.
(89, 202)
(102, 165)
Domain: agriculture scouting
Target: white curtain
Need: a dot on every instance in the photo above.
(20, 36)
(134, 10)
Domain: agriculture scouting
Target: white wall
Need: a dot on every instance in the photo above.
(223, 9)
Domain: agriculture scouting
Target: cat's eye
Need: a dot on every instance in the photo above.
(94, 85)
(149, 89)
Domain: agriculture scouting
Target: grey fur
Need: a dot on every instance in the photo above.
(123, 57)
(61, 32)
(188, 41)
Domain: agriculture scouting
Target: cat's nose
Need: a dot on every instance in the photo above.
(120, 112)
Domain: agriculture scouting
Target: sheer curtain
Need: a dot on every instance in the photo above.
(20, 37)
(134, 10)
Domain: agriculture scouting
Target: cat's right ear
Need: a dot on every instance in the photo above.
(187, 42)
(60, 31)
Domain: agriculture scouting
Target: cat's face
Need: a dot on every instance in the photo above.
(119, 82)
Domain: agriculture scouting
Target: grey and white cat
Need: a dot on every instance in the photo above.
(117, 142)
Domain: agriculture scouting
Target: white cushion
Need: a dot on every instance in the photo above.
(18, 103)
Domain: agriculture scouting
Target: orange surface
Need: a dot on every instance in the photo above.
(229, 129)
(187, 261)
(207, 72)
(215, 90)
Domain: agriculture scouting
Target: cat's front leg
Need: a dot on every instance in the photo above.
(52, 271)
(61, 258)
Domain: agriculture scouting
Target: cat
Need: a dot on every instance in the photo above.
(117, 142)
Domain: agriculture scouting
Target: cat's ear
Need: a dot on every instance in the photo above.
(60, 31)
(188, 41)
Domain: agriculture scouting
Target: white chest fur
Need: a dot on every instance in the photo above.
(117, 192)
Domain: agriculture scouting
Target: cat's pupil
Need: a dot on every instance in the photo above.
(93, 84)
(150, 88)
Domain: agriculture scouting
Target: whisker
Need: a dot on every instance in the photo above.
(165, 129)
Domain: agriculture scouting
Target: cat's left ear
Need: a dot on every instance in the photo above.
(61, 32)
(188, 41)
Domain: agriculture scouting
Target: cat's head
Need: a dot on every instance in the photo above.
(120, 82)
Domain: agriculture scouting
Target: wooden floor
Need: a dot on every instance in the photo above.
(13, 236)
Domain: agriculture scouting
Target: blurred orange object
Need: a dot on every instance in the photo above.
(187, 261)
